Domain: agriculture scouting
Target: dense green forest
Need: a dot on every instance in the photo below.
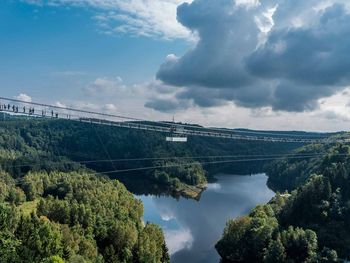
(56, 206)
(74, 217)
(308, 224)
(50, 145)
(53, 209)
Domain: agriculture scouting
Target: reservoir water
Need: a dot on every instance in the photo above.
(192, 227)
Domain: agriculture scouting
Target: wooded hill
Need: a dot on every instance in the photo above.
(308, 224)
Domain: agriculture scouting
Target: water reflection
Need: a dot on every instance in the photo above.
(193, 227)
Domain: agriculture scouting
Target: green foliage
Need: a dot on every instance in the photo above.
(50, 145)
(8, 217)
(53, 259)
(77, 217)
(275, 252)
(39, 238)
(328, 255)
(150, 240)
(51, 209)
(246, 239)
(8, 246)
(300, 245)
(312, 221)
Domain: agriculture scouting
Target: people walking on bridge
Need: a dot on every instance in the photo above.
(52, 113)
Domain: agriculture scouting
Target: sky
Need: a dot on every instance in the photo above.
(259, 64)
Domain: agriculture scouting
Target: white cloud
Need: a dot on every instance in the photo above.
(59, 104)
(214, 187)
(110, 107)
(24, 97)
(284, 54)
(332, 115)
(177, 240)
(105, 86)
(151, 18)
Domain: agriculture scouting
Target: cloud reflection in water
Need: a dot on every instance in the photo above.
(193, 227)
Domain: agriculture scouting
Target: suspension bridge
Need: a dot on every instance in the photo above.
(176, 132)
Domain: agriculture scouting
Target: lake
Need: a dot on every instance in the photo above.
(193, 227)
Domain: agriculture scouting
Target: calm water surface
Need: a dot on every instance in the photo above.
(192, 227)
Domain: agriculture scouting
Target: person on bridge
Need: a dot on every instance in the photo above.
(24, 109)
(52, 113)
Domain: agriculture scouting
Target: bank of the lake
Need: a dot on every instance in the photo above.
(193, 227)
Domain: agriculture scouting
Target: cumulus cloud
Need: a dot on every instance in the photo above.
(285, 55)
(105, 86)
(24, 97)
(110, 107)
(137, 17)
(88, 106)
(178, 239)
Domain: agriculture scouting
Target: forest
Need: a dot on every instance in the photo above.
(307, 220)
(59, 145)
(74, 217)
(57, 205)
(53, 209)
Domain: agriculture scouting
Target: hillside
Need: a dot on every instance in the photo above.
(74, 217)
(37, 144)
(309, 224)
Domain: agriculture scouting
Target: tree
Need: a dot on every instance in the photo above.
(275, 252)
(8, 247)
(16, 196)
(328, 256)
(39, 238)
(151, 245)
(231, 246)
(300, 245)
(247, 238)
(8, 217)
(53, 259)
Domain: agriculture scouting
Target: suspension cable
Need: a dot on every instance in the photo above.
(202, 163)
(177, 158)
(145, 168)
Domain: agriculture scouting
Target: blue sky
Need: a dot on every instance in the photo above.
(46, 46)
(263, 64)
